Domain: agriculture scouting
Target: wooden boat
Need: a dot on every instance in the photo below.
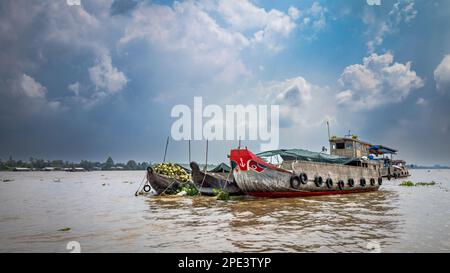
(218, 178)
(303, 173)
(161, 184)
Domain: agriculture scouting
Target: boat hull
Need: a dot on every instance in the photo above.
(162, 184)
(207, 182)
(258, 178)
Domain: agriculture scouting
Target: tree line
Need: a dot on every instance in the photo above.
(39, 164)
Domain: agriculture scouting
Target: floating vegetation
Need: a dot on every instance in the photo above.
(412, 184)
(407, 184)
(172, 170)
(65, 229)
(221, 195)
(432, 183)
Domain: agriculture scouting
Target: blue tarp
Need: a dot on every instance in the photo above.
(379, 149)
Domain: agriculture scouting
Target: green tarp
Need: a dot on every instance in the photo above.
(221, 168)
(300, 154)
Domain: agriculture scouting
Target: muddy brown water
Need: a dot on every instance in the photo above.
(104, 216)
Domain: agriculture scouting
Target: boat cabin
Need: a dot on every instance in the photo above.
(349, 147)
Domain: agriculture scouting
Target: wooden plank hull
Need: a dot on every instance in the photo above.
(259, 178)
(161, 183)
(207, 182)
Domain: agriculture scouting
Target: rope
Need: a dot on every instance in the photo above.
(201, 185)
(174, 180)
(226, 181)
(137, 191)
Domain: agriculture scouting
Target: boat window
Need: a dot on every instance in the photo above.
(349, 145)
(340, 145)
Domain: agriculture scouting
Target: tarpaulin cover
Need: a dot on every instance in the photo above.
(379, 149)
(300, 154)
(221, 168)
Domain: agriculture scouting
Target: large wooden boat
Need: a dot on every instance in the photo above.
(220, 177)
(303, 173)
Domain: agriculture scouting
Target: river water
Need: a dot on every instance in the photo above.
(104, 216)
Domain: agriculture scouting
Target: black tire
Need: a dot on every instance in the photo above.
(295, 182)
(351, 182)
(303, 178)
(147, 188)
(380, 181)
(341, 184)
(362, 182)
(372, 181)
(329, 183)
(319, 181)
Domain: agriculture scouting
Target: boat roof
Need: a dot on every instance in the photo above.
(221, 168)
(338, 139)
(380, 149)
(300, 154)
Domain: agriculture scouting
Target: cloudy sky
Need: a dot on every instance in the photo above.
(98, 79)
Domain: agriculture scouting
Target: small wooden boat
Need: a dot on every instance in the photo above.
(303, 173)
(161, 184)
(218, 178)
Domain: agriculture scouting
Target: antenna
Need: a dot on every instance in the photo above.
(328, 126)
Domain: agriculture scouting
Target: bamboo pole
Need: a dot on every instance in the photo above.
(165, 150)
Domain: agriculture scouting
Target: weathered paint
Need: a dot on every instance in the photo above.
(207, 182)
(161, 183)
(272, 181)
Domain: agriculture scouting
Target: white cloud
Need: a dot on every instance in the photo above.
(442, 74)
(422, 102)
(302, 104)
(243, 15)
(294, 13)
(186, 27)
(378, 81)
(75, 88)
(31, 88)
(28, 91)
(107, 77)
(403, 11)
